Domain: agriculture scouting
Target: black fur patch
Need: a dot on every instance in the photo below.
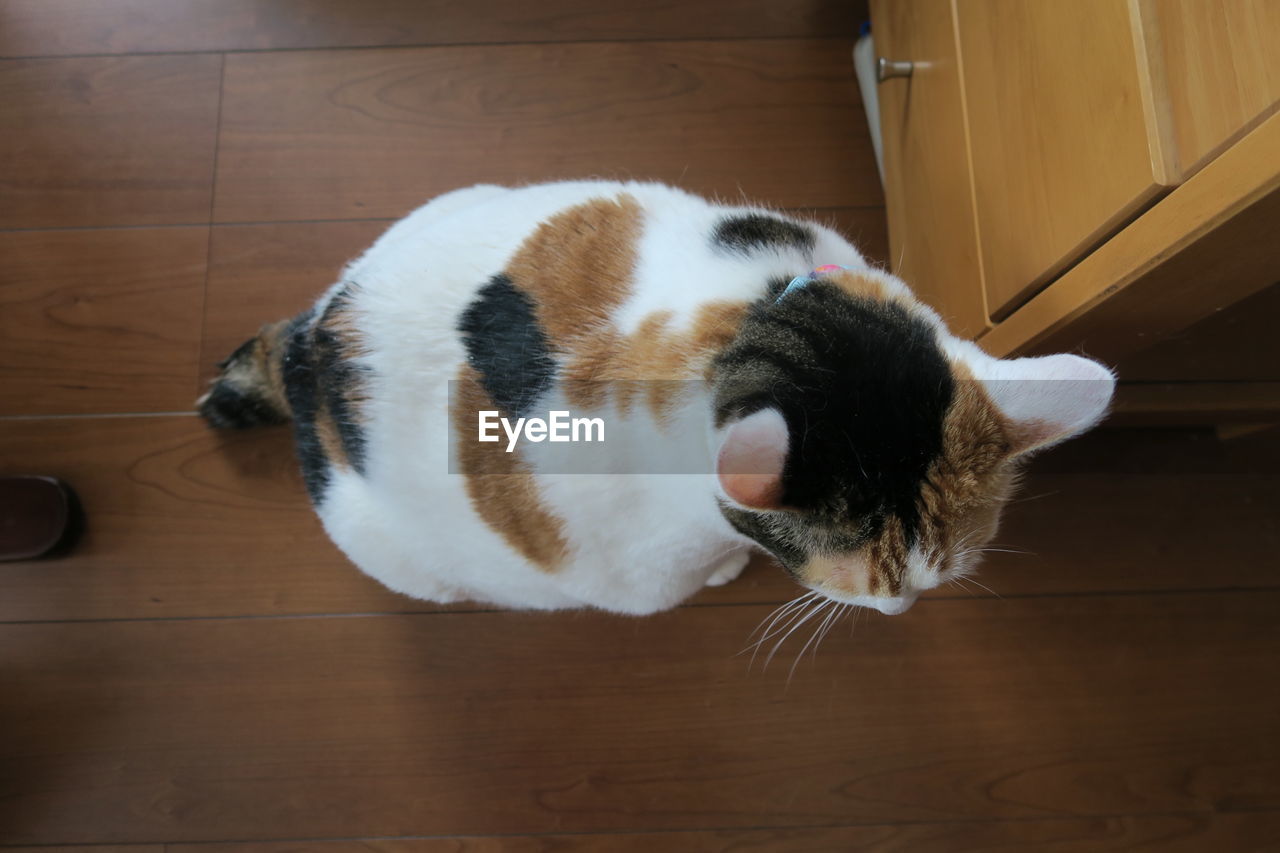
(864, 388)
(242, 351)
(506, 346)
(340, 378)
(226, 407)
(303, 391)
(753, 232)
(775, 541)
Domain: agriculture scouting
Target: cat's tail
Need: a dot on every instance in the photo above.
(249, 390)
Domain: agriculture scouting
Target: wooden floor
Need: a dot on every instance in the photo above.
(206, 672)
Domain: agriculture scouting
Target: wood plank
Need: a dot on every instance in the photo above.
(1187, 403)
(91, 848)
(932, 227)
(100, 321)
(1158, 451)
(1189, 833)
(1215, 71)
(111, 141)
(190, 523)
(1206, 246)
(58, 27)
(464, 724)
(1237, 343)
(1047, 185)
(184, 522)
(358, 134)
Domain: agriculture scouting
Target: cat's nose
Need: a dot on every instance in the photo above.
(894, 606)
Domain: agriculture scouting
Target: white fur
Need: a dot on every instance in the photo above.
(638, 543)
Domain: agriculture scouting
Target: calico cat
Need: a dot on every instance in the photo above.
(839, 426)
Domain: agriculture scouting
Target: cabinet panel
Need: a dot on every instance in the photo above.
(1060, 147)
(932, 241)
(1215, 70)
(1206, 246)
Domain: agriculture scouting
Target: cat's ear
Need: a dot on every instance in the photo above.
(1049, 399)
(751, 458)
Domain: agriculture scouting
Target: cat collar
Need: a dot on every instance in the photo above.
(801, 280)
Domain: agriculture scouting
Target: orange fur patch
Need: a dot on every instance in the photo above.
(330, 443)
(856, 284)
(342, 322)
(501, 486)
(264, 376)
(655, 361)
(578, 266)
(973, 475)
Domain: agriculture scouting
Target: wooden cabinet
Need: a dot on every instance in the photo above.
(1061, 153)
(1121, 161)
(1215, 73)
(932, 240)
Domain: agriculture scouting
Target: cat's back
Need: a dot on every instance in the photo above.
(673, 250)
(498, 293)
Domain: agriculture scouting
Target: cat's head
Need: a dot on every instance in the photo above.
(867, 448)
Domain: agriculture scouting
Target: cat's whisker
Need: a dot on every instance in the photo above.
(812, 639)
(768, 622)
(833, 618)
(812, 611)
(827, 624)
(1029, 498)
(780, 613)
(844, 611)
(984, 586)
(783, 612)
(797, 602)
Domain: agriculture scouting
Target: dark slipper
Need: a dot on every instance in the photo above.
(38, 517)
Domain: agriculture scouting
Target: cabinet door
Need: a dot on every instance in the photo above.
(1215, 72)
(932, 243)
(1062, 155)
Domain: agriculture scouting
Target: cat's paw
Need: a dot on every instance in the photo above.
(729, 568)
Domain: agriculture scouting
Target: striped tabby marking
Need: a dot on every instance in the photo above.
(973, 476)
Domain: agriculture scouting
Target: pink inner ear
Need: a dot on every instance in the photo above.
(751, 460)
